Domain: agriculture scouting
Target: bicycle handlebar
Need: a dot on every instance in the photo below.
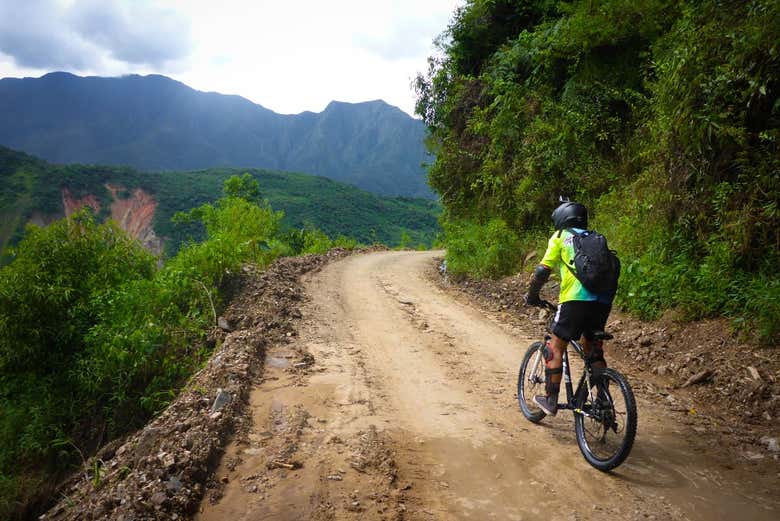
(547, 305)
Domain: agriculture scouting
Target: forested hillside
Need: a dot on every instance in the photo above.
(663, 116)
(156, 123)
(31, 189)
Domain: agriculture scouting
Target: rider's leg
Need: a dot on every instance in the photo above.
(553, 375)
(594, 350)
(557, 346)
(596, 316)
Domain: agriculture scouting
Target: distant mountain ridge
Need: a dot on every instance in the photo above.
(156, 123)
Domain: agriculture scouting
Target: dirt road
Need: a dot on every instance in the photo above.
(408, 411)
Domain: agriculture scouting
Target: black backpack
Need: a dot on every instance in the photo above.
(594, 264)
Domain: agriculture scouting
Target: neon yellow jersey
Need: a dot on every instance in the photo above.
(560, 249)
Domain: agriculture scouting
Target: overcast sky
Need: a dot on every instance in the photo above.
(287, 55)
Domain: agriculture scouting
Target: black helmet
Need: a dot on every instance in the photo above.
(570, 215)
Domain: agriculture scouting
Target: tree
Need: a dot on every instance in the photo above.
(244, 187)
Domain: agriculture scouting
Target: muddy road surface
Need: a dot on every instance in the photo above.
(396, 401)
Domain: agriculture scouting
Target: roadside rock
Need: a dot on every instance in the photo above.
(771, 444)
(223, 324)
(223, 398)
(699, 377)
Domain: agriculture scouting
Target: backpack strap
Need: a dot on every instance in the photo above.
(570, 268)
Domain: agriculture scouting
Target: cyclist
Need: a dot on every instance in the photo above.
(580, 312)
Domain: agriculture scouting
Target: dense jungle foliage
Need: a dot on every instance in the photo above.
(95, 338)
(31, 186)
(661, 115)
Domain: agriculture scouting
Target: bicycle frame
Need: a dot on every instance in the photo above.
(584, 379)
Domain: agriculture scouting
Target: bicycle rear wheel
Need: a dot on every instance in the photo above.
(606, 425)
(530, 381)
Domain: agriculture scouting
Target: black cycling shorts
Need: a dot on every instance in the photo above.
(580, 317)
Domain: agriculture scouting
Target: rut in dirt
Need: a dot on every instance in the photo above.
(409, 411)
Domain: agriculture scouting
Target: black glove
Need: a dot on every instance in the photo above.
(532, 299)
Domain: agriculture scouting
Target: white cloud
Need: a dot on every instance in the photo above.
(33, 35)
(288, 56)
(89, 34)
(135, 33)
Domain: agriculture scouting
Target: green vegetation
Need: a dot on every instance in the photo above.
(30, 187)
(488, 250)
(48, 302)
(661, 115)
(95, 339)
(309, 202)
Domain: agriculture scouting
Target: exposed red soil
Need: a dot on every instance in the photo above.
(71, 204)
(133, 214)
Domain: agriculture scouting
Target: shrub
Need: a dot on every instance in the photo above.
(348, 243)
(316, 241)
(490, 250)
(51, 295)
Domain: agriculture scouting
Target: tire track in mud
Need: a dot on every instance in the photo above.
(409, 411)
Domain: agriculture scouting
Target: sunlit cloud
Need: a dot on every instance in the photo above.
(286, 56)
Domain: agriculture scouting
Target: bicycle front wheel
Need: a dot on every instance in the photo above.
(530, 381)
(606, 420)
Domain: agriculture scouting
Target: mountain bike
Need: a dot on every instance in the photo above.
(604, 407)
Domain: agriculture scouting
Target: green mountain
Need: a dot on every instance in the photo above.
(32, 190)
(156, 123)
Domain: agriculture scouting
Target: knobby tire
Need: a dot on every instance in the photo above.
(584, 425)
(532, 413)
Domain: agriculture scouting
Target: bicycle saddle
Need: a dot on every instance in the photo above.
(602, 335)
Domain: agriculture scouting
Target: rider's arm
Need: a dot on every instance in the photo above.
(540, 276)
(542, 272)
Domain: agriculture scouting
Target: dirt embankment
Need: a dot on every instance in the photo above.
(161, 471)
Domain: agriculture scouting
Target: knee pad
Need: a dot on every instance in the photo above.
(548, 353)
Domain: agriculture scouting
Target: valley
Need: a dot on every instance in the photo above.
(144, 203)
